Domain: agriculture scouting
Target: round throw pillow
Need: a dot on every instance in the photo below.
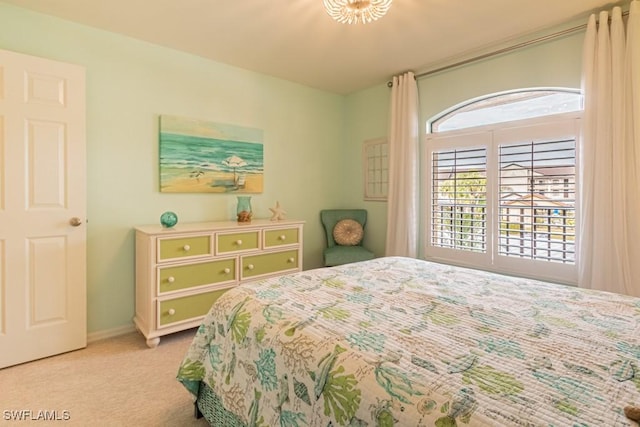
(347, 232)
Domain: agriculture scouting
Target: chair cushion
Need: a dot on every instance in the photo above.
(348, 232)
(338, 255)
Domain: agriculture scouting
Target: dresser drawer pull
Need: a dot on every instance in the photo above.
(187, 248)
(227, 270)
(172, 311)
(282, 237)
(291, 260)
(171, 279)
(250, 266)
(239, 242)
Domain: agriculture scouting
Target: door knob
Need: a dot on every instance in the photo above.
(75, 221)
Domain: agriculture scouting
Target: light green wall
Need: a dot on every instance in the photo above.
(129, 84)
(555, 63)
(367, 118)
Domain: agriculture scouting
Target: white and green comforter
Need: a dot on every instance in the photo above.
(398, 341)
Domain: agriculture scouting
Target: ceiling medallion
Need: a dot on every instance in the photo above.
(356, 11)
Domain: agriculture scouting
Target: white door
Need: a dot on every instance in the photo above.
(42, 208)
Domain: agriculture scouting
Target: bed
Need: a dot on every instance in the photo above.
(406, 342)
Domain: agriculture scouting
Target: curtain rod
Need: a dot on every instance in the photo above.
(507, 49)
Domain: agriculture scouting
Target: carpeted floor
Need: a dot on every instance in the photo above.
(113, 382)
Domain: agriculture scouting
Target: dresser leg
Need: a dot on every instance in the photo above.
(153, 342)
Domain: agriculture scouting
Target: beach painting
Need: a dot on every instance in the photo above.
(198, 156)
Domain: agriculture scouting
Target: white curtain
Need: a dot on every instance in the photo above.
(402, 202)
(609, 255)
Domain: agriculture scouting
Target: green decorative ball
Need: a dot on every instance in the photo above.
(168, 219)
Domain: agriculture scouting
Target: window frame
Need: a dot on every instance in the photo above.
(491, 261)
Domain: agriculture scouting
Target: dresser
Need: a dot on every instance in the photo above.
(181, 271)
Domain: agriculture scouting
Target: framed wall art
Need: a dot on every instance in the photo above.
(198, 156)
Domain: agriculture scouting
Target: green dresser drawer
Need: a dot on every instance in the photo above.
(188, 276)
(258, 265)
(237, 242)
(284, 236)
(186, 308)
(183, 247)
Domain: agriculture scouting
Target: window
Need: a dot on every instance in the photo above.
(502, 196)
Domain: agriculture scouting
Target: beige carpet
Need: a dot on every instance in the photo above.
(113, 382)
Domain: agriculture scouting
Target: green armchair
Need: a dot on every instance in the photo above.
(353, 251)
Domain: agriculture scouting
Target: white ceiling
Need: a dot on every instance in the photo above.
(296, 40)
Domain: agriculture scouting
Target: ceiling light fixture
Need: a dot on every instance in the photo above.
(356, 11)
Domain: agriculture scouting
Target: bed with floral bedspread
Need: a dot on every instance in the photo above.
(399, 341)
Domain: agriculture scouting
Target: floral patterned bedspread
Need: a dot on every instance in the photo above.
(399, 341)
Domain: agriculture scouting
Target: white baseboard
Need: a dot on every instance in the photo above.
(110, 333)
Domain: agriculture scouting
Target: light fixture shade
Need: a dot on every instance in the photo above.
(356, 11)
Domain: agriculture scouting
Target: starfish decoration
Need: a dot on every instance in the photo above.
(278, 213)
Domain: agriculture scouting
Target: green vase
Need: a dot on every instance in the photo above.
(244, 209)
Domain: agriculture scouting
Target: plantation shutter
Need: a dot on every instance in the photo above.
(459, 199)
(537, 200)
